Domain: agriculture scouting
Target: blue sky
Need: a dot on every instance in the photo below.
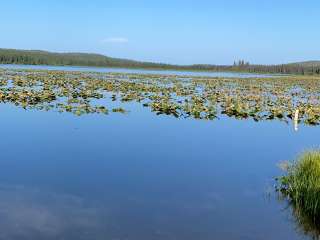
(171, 31)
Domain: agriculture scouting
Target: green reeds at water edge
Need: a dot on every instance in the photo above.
(301, 185)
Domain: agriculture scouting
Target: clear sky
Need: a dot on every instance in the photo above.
(170, 31)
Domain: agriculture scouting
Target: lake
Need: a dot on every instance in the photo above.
(139, 176)
(138, 71)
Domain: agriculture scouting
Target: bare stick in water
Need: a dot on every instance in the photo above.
(296, 118)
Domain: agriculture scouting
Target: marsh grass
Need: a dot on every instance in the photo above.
(301, 185)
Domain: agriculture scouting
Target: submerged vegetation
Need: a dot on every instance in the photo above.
(280, 98)
(301, 187)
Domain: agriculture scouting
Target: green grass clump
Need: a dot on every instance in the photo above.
(301, 184)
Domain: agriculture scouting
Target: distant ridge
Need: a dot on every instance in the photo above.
(307, 63)
(39, 57)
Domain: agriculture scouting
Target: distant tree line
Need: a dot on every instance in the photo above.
(12, 56)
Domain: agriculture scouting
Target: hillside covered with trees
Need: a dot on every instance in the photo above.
(30, 57)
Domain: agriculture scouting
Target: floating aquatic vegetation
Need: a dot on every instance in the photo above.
(277, 98)
(119, 110)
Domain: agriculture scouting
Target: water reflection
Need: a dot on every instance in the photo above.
(304, 224)
(143, 177)
(27, 213)
(296, 120)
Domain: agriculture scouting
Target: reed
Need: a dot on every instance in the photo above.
(301, 184)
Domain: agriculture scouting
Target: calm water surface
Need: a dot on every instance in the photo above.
(139, 71)
(143, 177)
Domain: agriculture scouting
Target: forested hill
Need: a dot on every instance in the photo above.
(35, 57)
(12, 56)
